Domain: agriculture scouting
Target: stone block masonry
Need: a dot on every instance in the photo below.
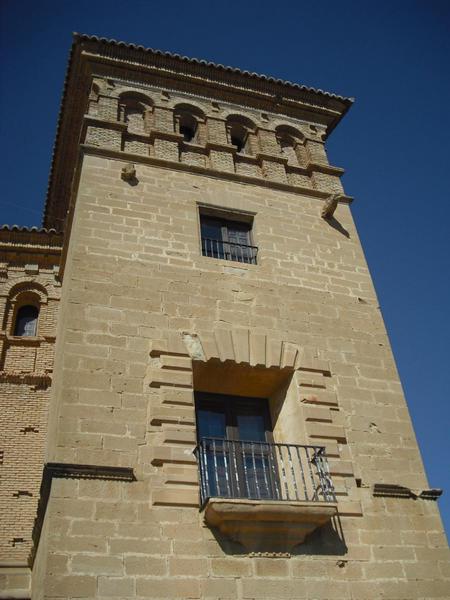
(138, 282)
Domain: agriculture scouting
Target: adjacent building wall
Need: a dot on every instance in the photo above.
(29, 274)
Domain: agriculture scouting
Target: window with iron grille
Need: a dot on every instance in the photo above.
(227, 239)
(238, 458)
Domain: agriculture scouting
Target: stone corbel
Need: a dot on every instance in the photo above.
(263, 525)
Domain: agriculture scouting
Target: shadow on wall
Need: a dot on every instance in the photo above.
(327, 540)
(334, 223)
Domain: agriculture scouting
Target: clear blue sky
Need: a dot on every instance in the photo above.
(392, 56)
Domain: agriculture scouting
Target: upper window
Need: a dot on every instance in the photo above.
(135, 110)
(288, 149)
(290, 142)
(188, 127)
(227, 239)
(240, 130)
(26, 321)
(189, 121)
(239, 138)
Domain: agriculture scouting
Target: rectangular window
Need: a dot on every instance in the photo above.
(236, 450)
(227, 239)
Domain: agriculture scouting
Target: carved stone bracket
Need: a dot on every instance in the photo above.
(262, 525)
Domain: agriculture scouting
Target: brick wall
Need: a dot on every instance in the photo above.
(213, 148)
(29, 273)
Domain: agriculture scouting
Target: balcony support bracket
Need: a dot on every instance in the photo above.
(267, 525)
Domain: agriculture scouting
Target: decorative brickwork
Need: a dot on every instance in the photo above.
(265, 156)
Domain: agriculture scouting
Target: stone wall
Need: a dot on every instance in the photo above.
(135, 286)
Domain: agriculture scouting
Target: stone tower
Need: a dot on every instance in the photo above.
(225, 416)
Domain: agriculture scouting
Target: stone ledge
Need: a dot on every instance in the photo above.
(161, 162)
(267, 525)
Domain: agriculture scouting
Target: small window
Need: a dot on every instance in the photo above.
(238, 138)
(227, 239)
(26, 321)
(187, 127)
(134, 110)
(288, 150)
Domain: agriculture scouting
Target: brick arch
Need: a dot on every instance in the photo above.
(130, 93)
(18, 293)
(191, 107)
(230, 113)
(240, 119)
(287, 129)
(16, 289)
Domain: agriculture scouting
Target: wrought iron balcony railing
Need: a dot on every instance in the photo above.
(263, 471)
(242, 253)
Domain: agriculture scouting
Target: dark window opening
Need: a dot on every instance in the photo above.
(187, 133)
(238, 142)
(238, 138)
(26, 321)
(235, 436)
(228, 240)
(187, 126)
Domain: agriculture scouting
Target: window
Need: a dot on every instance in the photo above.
(291, 146)
(26, 321)
(288, 149)
(235, 435)
(240, 130)
(188, 127)
(135, 110)
(226, 239)
(189, 121)
(239, 138)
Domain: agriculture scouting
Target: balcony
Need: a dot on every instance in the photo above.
(268, 497)
(242, 253)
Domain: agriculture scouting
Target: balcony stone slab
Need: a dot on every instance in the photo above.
(267, 525)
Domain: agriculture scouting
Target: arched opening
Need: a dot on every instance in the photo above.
(239, 137)
(189, 122)
(287, 146)
(290, 144)
(239, 130)
(134, 110)
(26, 321)
(187, 127)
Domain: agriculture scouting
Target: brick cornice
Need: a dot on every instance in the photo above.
(89, 53)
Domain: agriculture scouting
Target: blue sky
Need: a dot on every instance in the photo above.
(393, 57)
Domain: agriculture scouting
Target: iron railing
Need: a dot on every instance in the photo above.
(242, 253)
(263, 471)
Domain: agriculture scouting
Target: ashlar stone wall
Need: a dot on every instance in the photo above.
(142, 309)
